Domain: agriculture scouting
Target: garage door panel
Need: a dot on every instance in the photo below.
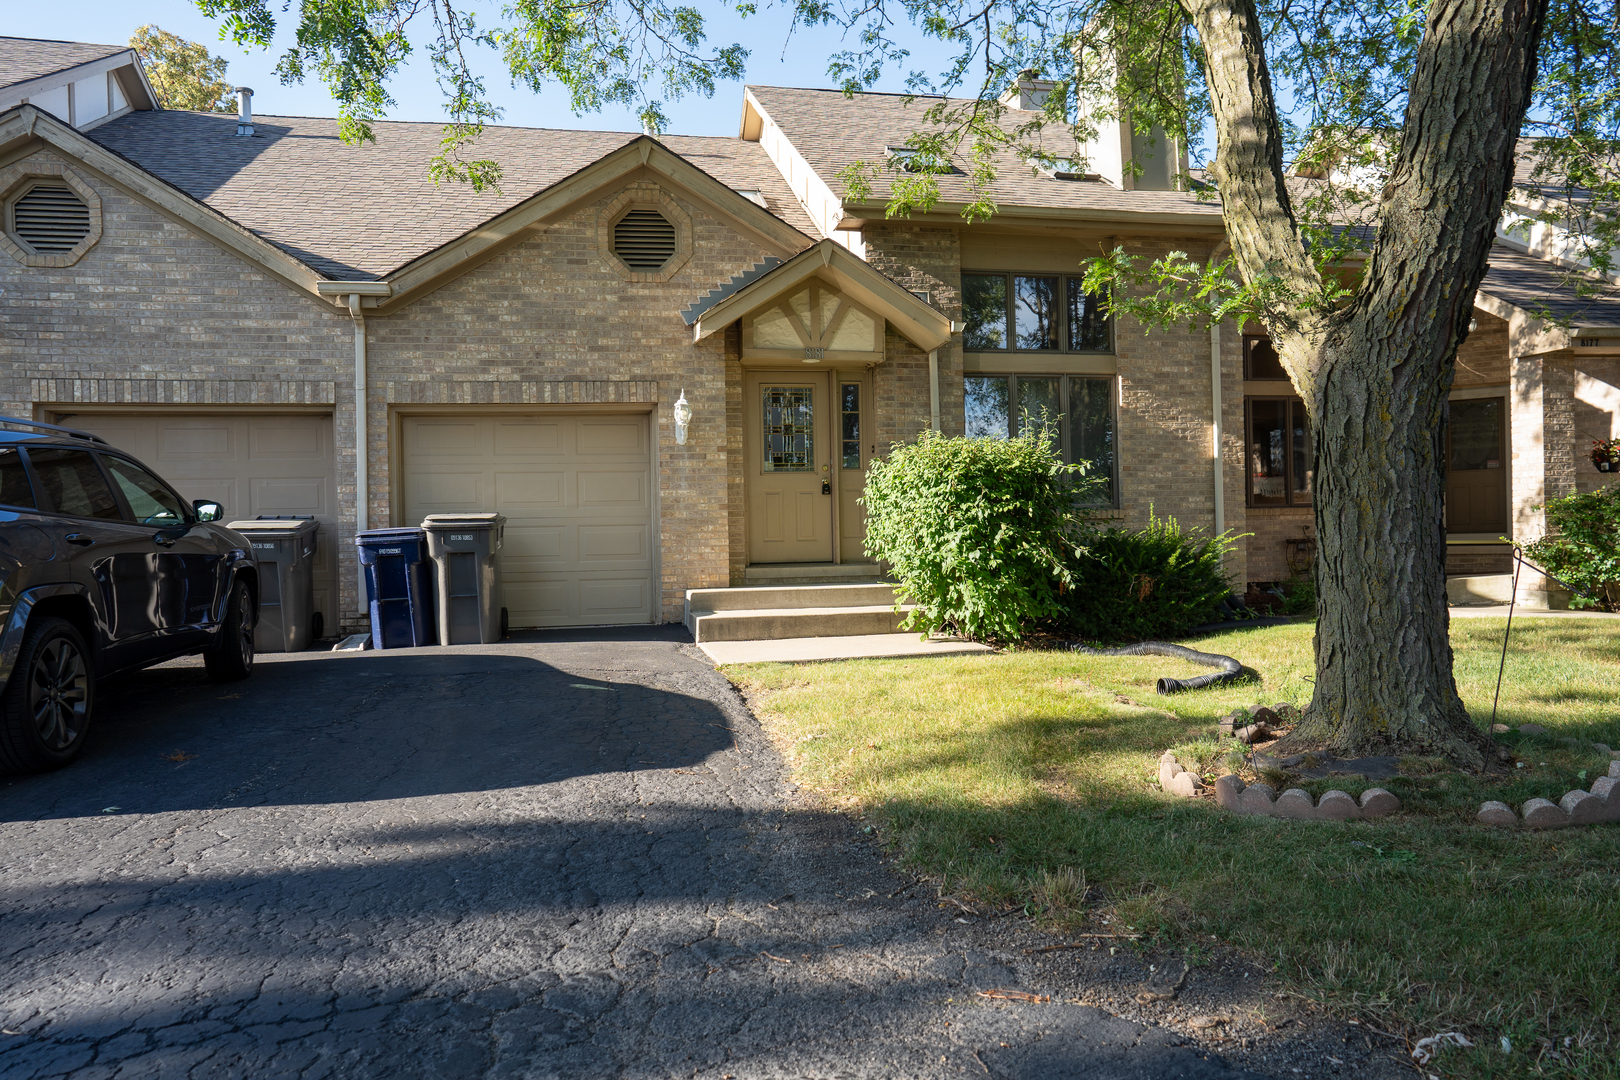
(600, 543)
(295, 441)
(442, 437)
(530, 490)
(196, 441)
(455, 491)
(577, 495)
(613, 437)
(252, 464)
(604, 488)
(533, 438)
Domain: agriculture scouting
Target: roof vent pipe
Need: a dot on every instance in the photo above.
(244, 111)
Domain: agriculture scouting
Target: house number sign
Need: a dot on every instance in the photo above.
(815, 354)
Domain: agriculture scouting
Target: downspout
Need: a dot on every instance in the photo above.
(933, 389)
(362, 496)
(1216, 406)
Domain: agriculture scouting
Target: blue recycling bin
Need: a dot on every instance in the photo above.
(399, 587)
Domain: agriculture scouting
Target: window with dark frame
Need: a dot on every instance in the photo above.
(1033, 313)
(1077, 410)
(1277, 442)
(849, 407)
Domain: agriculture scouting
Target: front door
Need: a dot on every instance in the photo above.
(788, 464)
(1476, 472)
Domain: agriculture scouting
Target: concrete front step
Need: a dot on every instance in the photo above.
(756, 624)
(812, 573)
(789, 596)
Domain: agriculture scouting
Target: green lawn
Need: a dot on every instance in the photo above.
(1028, 778)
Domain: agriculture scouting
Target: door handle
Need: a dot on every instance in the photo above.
(79, 539)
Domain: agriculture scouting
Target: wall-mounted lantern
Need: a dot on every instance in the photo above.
(683, 418)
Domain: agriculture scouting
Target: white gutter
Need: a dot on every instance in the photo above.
(1216, 407)
(351, 294)
(933, 389)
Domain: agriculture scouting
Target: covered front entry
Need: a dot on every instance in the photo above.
(1476, 466)
(787, 449)
(577, 493)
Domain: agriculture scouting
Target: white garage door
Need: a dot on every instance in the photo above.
(577, 495)
(256, 463)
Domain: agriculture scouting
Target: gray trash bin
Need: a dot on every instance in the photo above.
(465, 549)
(285, 548)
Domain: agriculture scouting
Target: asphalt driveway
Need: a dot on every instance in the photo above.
(526, 860)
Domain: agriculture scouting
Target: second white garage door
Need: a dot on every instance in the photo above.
(577, 492)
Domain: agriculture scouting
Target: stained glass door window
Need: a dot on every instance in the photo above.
(789, 428)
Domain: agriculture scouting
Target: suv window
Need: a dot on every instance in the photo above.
(151, 502)
(73, 483)
(14, 487)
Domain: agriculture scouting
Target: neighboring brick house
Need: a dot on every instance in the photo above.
(210, 293)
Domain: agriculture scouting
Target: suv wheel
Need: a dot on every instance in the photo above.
(232, 658)
(45, 713)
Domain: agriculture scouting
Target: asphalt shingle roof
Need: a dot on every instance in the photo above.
(1538, 287)
(833, 131)
(355, 213)
(22, 59)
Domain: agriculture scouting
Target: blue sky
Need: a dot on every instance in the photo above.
(775, 60)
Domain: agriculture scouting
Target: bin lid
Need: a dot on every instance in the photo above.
(275, 528)
(441, 522)
(377, 537)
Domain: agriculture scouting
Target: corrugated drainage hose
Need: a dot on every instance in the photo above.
(1230, 668)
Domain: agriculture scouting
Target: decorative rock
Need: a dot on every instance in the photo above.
(1603, 787)
(1532, 729)
(1541, 814)
(1262, 715)
(1259, 799)
(1376, 802)
(1584, 808)
(1500, 729)
(1295, 803)
(1168, 770)
(1337, 806)
(1602, 748)
(1614, 770)
(1229, 793)
(1497, 813)
(1252, 734)
(1186, 784)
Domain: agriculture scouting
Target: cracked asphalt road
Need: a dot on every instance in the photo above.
(528, 860)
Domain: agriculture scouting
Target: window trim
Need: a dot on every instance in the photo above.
(1113, 501)
(1062, 312)
(1288, 503)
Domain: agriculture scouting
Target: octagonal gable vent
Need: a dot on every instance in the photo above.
(644, 239)
(50, 218)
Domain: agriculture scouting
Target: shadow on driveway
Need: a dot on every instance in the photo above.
(345, 727)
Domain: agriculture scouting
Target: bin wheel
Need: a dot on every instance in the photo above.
(503, 622)
(317, 626)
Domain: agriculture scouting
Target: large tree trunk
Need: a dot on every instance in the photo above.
(1374, 374)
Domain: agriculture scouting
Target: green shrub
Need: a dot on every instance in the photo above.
(1299, 596)
(1584, 552)
(981, 533)
(1141, 584)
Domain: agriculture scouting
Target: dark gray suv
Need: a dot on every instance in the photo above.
(103, 568)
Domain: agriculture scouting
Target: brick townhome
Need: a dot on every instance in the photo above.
(210, 294)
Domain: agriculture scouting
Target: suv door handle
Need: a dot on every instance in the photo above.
(79, 539)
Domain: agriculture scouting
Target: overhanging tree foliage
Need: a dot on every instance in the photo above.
(181, 72)
(1408, 115)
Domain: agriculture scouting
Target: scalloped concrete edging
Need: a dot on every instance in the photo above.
(1594, 807)
(1260, 800)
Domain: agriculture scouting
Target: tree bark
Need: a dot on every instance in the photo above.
(1374, 374)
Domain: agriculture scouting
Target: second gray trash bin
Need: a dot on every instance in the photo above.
(465, 549)
(285, 548)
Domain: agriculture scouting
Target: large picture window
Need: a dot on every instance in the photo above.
(1032, 313)
(1077, 412)
(1277, 438)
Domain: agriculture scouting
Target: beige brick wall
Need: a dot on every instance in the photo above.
(921, 258)
(154, 315)
(1482, 360)
(555, 312)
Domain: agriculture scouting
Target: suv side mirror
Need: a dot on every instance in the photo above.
(208, 510)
